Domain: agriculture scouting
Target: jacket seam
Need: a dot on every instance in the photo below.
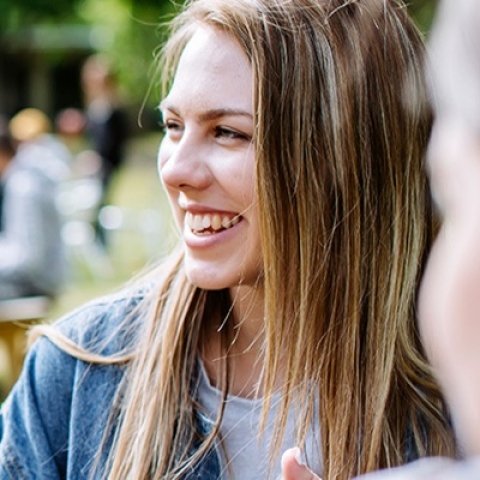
(12, 465)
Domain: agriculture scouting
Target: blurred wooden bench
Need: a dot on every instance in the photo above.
(16, 315)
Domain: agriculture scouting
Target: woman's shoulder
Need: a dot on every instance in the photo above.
(63, 400)
(105, 325)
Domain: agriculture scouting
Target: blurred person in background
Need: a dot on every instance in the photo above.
(7, 150)
(32, 258)
(37, 145)
(7, 153)
(70, 128)
(106, 121)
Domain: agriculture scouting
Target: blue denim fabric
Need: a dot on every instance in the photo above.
(53, 422)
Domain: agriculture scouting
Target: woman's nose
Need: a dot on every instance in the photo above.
(183, 165)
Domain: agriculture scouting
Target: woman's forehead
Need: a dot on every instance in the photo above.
(213, 72)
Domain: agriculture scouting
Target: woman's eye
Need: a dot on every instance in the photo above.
(226, 133)
(170, 127)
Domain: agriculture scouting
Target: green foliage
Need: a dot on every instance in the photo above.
(127, 32)
(423, 13)
(133, 35)
(23, 13)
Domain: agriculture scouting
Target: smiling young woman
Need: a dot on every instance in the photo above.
(295, 135)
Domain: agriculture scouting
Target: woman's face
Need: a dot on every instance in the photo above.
(206, 161)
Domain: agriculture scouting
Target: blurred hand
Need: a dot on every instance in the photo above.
(293, 468)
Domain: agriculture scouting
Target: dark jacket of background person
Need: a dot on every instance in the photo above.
(106, 120)
(107, 129)
(32, 258)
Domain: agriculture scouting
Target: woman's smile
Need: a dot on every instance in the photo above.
(210, 223)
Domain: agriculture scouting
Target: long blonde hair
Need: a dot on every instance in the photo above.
(346, 224)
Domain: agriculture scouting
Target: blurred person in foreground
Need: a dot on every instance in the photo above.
(31, 249)
(450, 297)
(449, 300)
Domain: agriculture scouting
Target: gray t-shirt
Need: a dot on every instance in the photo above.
(245, 455)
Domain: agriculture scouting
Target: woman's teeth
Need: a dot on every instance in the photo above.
(209, 223)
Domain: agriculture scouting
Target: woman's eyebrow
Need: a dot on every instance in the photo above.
(215, 113)
(210, 114)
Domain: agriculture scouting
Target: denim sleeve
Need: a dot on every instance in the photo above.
(56, 421)
(34, 419)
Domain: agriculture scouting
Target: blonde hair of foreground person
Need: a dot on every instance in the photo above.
(346, 225)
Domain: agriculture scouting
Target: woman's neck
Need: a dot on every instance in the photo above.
(245, 350)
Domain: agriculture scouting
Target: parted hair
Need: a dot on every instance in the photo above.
(341, 129)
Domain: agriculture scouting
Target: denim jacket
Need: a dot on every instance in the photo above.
(53, 422)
